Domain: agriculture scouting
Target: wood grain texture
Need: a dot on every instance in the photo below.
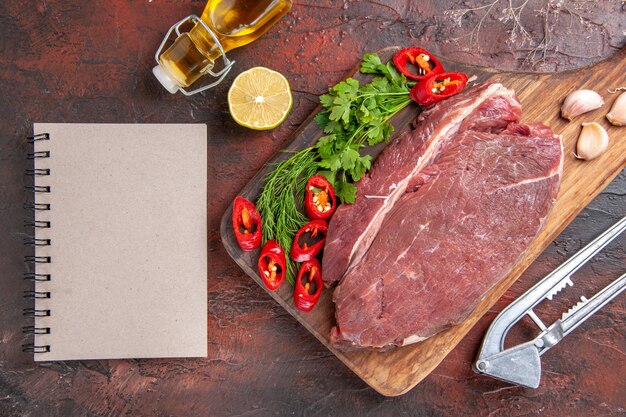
(68, 61)
(396, 371)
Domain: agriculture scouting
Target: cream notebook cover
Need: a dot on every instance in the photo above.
(126, 247)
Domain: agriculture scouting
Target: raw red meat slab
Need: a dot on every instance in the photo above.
(470, 205)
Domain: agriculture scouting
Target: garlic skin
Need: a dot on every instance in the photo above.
(617, 115)
(592, 142)
(579, 102)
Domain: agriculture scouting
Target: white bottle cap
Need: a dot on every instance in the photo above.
(164, 78)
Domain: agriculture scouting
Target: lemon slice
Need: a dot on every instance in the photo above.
(259, 98)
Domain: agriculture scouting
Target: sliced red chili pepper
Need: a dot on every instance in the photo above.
(438, 87)
(309, 240)
(425, 63)
(272, 265)
(308, 286)
(246, 224)
(320, 201)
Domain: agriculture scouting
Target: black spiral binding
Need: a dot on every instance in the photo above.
(31, 276)
(37, 259)
(37, 206)
(38, 172)
(39, 224)
(31, 348)
(35, 330)
(37, 242)
(40, 154)
(33, 241)
(31, 295)
(33, 312)
(41, 136)
(38, 188)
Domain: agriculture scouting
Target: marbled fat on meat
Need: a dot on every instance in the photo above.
(476, 193)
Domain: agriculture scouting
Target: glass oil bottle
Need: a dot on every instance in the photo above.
(223, 26)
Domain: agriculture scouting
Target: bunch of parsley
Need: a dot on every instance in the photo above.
(354, 116)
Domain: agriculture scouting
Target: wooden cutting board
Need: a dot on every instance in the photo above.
(396, 371)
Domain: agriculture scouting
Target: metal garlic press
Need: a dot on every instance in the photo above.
(520, 364)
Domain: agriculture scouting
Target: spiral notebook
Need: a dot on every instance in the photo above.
(120, 260)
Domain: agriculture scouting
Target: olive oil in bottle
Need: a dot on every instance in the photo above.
(226, 23)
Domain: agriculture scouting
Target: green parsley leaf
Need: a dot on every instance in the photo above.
(388, 129)
(334, 127)
(322, 119)
(361, 166)
(395, 76)
(326, 146)
(326, 100)
(348, 88)
(379, 84)
(345, 191)
(348, 158)
(375, 135)
(371, 64)
(333, 162)
(341, 109)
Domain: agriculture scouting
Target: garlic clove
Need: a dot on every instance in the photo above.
(579, 102)
(592, 142)
(617, 115)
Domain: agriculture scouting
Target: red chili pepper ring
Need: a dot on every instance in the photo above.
(309, 240)
(425, 63)
(246, 224)
(272, 265)
(438, 87)
(308, 286)
(319, 200)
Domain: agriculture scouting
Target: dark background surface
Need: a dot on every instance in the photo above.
(67, 61)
